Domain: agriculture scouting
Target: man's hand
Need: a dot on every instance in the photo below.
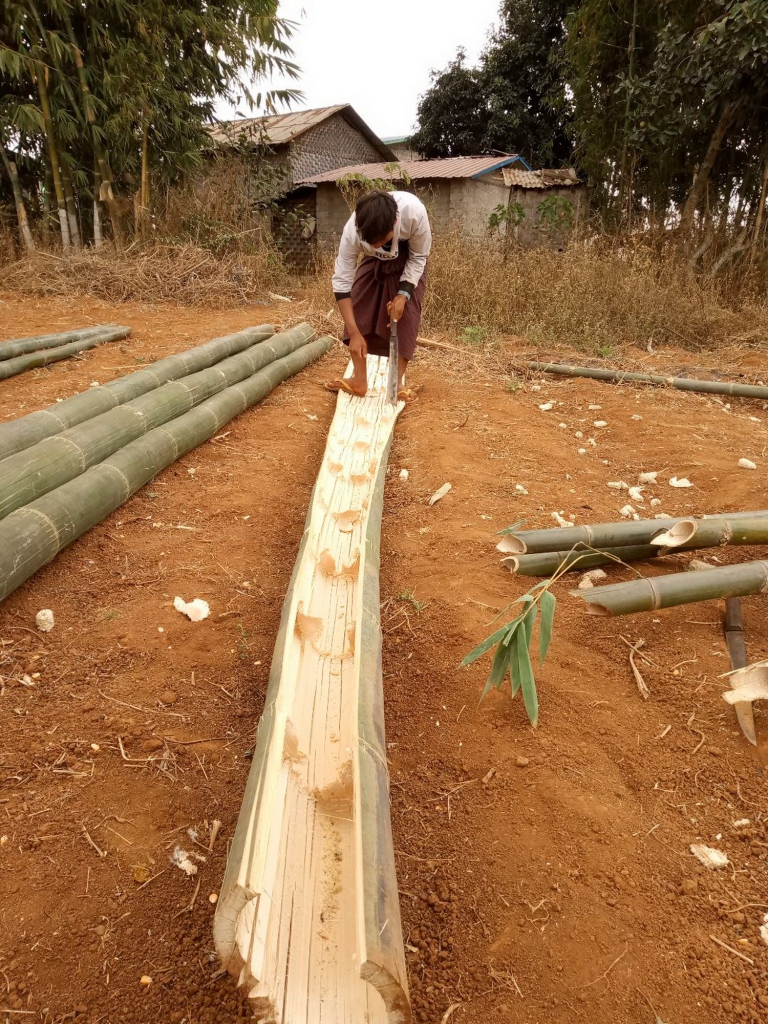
(396, 308)
(357, 345)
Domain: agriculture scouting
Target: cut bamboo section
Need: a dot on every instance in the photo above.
(678, 588)
(547, 563)
(55, 460)
(32, 536)
(21, 346)
(603, 535)
(10, 367)
(308, 916)
(706, 387)
(21, 433)
(713, 532)
(733, 625)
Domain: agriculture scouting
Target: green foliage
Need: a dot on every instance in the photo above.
(512, 642)
(514, 101)
(130, 85)
(555, 216)
(409, 598)
(509, 215)
(353, 186)
(473, 335)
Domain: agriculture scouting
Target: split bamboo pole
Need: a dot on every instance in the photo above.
(12, 367)
(707, 387)
(20, 346)
(604, 535)
(308, 914)
(32, 536)
(18, 434)
(678, 588)
(53, 461)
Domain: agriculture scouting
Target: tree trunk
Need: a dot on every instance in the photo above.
(21, 211)
(761, 206)
(53, 156)
(701, 177)
(69, 199)
(98, 235)
(47, 189)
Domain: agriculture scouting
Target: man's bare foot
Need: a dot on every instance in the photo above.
(350, 387)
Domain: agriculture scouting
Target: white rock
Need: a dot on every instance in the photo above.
(636, 494)
(535, 387)
(547, 406)
(741, 823)
(764, 929)
(589, 579)
(44, 620)
(562, 523)
(592, 441)
(520, 489)
(563, 426)
(578, 434)
(747, 464)
(627, 512)
(617, 485)
(403, 475)
(636, 416)
(647, 478)
(600, 423)
(655, 501)
(582, 451)
(682, 482)
(195, 611)
(709, 856)
(594, 408)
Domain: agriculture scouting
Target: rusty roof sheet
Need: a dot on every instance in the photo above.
(453, 167)
(544, 178)
(280, 129)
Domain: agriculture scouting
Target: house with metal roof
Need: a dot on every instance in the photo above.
(306, 142)
(461, 193)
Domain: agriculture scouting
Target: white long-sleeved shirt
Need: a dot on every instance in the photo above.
(411, 226)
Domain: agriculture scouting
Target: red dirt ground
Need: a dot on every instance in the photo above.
(545, 875)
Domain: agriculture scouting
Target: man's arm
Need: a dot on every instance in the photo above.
(357, 344)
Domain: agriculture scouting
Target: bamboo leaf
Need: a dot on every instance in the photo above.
(485, 646)
(511, 529)
(548, 604)
(514, 678)
(498, 670)
(526, 682)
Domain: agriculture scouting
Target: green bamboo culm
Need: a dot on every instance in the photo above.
(32, 536)
(678, 588)
(706, 387)
(18, 364)
(21, 346)
(601, 535)
(547, 563)
(18, 434)
(29, 474)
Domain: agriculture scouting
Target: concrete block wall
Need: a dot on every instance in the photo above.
(332, 143)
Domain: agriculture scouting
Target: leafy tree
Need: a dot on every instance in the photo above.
(514, 101)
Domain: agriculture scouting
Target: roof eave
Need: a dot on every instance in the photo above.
(506, 162)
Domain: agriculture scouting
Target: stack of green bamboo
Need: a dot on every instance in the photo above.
(25, 353)
(552, 552)
(65, 468)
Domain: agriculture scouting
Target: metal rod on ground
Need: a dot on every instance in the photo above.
(602, 535)
(33, 535)
(20, 346)
(678, 588)
(11, 367)
(53, 461)
(707, 387)
(733, 624)
(18, 434)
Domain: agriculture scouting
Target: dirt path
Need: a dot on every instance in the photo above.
(544, 875)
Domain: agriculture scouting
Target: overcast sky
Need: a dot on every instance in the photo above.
(377, 55)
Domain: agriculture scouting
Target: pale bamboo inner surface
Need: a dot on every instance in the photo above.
(298, 935)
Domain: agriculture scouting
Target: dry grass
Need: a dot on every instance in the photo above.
(583, 297)
(183, 273)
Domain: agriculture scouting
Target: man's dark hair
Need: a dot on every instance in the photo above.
(375, 215)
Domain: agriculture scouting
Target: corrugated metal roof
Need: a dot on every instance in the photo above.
(453, 167)
(280, 129)
(544, 178)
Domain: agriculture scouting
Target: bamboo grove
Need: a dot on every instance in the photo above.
(104, 101)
